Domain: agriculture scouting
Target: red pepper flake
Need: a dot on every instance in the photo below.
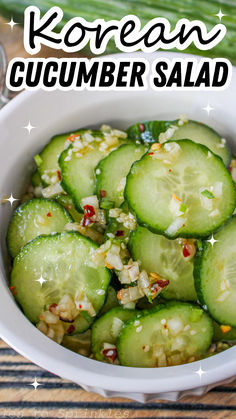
(186, 252)
(72, 137)
(157, 286)
(150, 154)
(165, 326)
(110, 353)
(70, 329)
(170, 170)
(80, 306)
(119, 233)
(161, 283)
(12, 289)
(52, 307)
(89, 212)
(230, 169)
(49, 214)
(141, 127)
(68, 207)
(102, 194)
(59, 175)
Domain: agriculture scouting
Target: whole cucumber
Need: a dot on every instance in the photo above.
(145, 10)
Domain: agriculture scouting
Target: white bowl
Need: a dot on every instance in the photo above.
(56, 112)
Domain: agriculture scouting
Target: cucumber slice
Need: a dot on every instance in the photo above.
(202, 134)
(79, 343)
(65, 262)
(47, 160)
(149, 132)
(92, 232)
(36, 179)
(103, 329)
(165, 257)
(144, 304)
(185, 170)
(77, 170)
(67, 202)
(111, 301)
(171, 335)
(111, 172)
(34, 218)
(215, 275)
(118, 230)
(220, 336)
(81, 324)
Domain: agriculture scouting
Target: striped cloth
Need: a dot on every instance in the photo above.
(56, 398)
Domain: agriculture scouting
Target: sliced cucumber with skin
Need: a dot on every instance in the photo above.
(81, 324)
(220, 336)
(78, 343)
(78, 178)
(111, 301)
(165, 257)
(111, 172)
(120, 232)
(170, 335)
(92, 232)
(34, 218)
(156, 178)
(148, 131)
(215, 275)
(202, 134)
(65, 262)
(67, 202)
(103, 329)
(36, 179)
(144, 304)
(198, 132)
(47, 160)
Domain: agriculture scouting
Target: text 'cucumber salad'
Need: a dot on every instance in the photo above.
(124, 247)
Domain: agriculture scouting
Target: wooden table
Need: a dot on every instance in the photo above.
(57, 398)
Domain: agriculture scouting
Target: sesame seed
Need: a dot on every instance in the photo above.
(139, 329)
(187, 327)
(136, 323)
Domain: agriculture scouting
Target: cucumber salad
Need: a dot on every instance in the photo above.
(123, 248)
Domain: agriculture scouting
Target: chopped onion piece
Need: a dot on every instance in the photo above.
(90, 200)
(175, 326)
(130, 305)
(116, 327)
(126, 295)
(175, 226)
(113, 258)
(144, 282)
(129, 273)
(52, 190)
